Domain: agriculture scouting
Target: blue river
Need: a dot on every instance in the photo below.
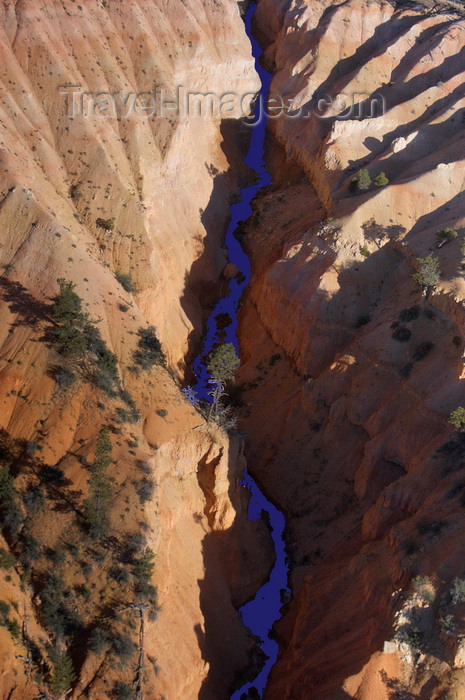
(261, 613)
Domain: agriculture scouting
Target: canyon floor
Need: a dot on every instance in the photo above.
(350, 369)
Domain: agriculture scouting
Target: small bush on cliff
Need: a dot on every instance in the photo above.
(362, 181)
(409, 314)
(68, 336)
(457, 418)
(98, 640)
(10, 513)
(448, 624)
(124, 648)
(402, 334)
(149, 352)
(96, 507)
(107, 224)
(63, 671)
(428, 274)
(7, 560)
(445, 235)
(222, 365)
(75, 334)
(123, 691)
(414, 638)
(457, 591)
(381, 180)
(126, 282)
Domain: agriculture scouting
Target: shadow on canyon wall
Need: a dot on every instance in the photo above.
(204, 284)
(237, 562)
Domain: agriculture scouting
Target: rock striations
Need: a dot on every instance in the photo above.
(351, 371)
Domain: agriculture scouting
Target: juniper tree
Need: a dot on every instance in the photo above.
(361, 182)
(445, 235)
(96, 506)
(428, 274)
(222, 365)
(457, 418)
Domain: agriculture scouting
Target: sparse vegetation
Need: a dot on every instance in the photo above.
(445, 235)
(409, 314)
(7, 560)
(124, 648)
(107, 224)
(457, 591)
(63, 671)
(126, 282)
(423, 586)
(414, 637)
(10, 513)
(428, 274)
(75, 334)
(362, 181)
(448, 624)
(96, 507)
(222, 365)
(149, 352)
(123, 691)
(381, 180)
(64, 377)
(457, 418)
(98, 640)
(364, 250)
(402, 334)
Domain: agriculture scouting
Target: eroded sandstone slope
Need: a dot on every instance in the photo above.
(86, 200)
(347, 362)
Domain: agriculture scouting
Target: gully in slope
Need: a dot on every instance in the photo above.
(261, 613)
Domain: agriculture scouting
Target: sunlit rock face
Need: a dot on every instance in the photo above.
(88, 197)
(350, 372)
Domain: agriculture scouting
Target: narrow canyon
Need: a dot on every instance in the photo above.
(126, 550)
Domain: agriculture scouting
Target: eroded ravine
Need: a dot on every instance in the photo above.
(261, 613)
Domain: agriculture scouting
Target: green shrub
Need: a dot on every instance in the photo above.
(445, 235)
(64, 377)
(364, 250)
(414, 638)
(124, 647)
(409, 314)
(149, 350)
(126, 282)
(34, 499)
(63, 672)
(428, 274)
(381, 180)
(145, 490)
(123, 691)
(14, 629)
(362, 181)
(7, 560)
(75, 192)
(32, 549)
(96, 507)
(98, 640)
(423, 586)
(10, 514)
(457, 591)
(448, 624)
(402, 334)
(457, 418)
(107, 224)
(142, 568)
